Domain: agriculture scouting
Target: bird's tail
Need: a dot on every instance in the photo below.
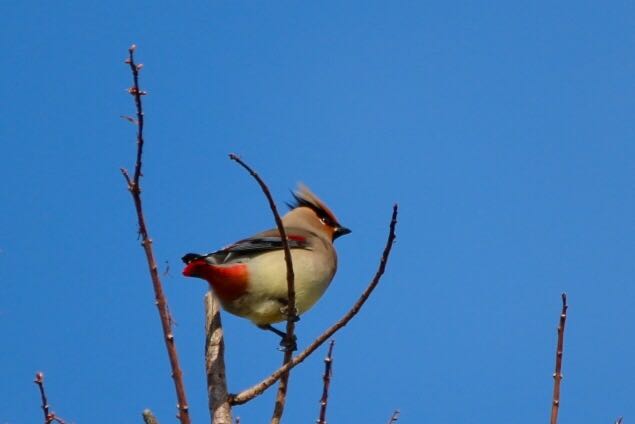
(194, 264)
(191, 257)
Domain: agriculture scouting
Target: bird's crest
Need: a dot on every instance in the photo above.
(305, 198)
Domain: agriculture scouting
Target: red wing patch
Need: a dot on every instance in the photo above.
(229, 281)
(299, 239)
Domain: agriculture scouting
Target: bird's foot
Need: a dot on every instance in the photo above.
(273, 329)
(287, 344)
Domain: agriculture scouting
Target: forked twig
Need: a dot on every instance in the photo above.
(289, 341)
(326, 379)
(49, 416)
(557, 375)
(256, 390)
(135, 190)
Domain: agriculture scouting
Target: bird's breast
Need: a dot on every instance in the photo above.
(266, 291)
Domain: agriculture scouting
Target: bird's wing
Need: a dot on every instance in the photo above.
(264, 242)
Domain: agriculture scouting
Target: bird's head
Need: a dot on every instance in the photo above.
(309, 212)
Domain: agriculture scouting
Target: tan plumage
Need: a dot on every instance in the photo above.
(250, 276)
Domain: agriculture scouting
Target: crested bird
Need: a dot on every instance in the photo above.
(249, 277)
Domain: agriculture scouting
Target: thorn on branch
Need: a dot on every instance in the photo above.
(129, 119)
(135, 90)
(125, 174)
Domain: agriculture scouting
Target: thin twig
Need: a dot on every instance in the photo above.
(291, 310)
(292, 313)
(557, 375)
(283, 385)
(256, 390)
(619, 420)
(148, 417)
(39, 380)
(49, 416)
(394, 417)
(135, 190)
(326, 379)
(219, 407)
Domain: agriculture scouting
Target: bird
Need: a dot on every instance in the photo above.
(249, 277)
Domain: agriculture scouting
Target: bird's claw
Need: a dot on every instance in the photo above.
(288, 345)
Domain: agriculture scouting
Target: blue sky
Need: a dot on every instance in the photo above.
(504, 130)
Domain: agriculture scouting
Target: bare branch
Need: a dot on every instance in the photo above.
(39, 380)
(557, 375)
(619, 420)
(219, 407)
(135, 190)
(394, 417)
(291, 311)
(49, 416)
(292, 314)
(136, 92)
(148, 417)
(258, 389)
(326, 379)
(283, 386)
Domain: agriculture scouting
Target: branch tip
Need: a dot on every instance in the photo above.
(135, 190)
(557, 375)
(49, 416)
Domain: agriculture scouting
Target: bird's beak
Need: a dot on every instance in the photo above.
(340, 231)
